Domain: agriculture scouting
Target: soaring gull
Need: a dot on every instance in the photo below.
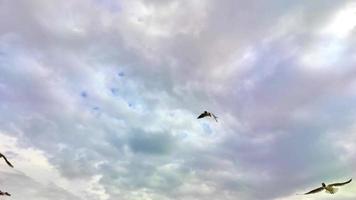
(208, 114)
(328, 188)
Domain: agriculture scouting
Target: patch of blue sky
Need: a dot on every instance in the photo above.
(183, 135)
(10, 44)
(111, 5)
(138, 105)
(207, 129)
(128, 92)
(131, 97)
(337, 106)
(12, 54)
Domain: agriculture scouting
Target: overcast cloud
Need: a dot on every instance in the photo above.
(99, 98)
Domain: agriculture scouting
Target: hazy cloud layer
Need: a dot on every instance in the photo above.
(99, 98)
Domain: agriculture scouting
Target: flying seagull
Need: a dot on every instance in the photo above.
(4, 193)
(208, 114)
(328, 188)
(8, 163)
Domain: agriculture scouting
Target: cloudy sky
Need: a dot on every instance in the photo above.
(99, 99)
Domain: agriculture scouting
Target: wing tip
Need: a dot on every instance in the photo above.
(8, 163)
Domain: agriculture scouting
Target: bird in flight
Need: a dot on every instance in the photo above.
(328, 188)
(208, 114)
(4, 193)
(8, 163)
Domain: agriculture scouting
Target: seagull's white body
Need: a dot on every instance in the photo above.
(330, 189)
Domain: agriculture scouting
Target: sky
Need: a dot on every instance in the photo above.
(99, 99)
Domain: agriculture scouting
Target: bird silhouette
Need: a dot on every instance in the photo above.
(7, 162)
(208, 114)
(4, 193)
(328, 188)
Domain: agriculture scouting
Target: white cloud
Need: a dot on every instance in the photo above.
(343, 22)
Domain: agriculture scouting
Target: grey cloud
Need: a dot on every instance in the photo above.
(281, 114)
(151, 143)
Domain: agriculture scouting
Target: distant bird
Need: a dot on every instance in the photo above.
(4, 193)
(8, 163)
(328, 188)
(208, 114)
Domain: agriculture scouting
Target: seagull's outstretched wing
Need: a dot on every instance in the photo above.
(315, 190)
(7, 162)
(340, 184)
(215, 117)
(202, 115)
(5, 193)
